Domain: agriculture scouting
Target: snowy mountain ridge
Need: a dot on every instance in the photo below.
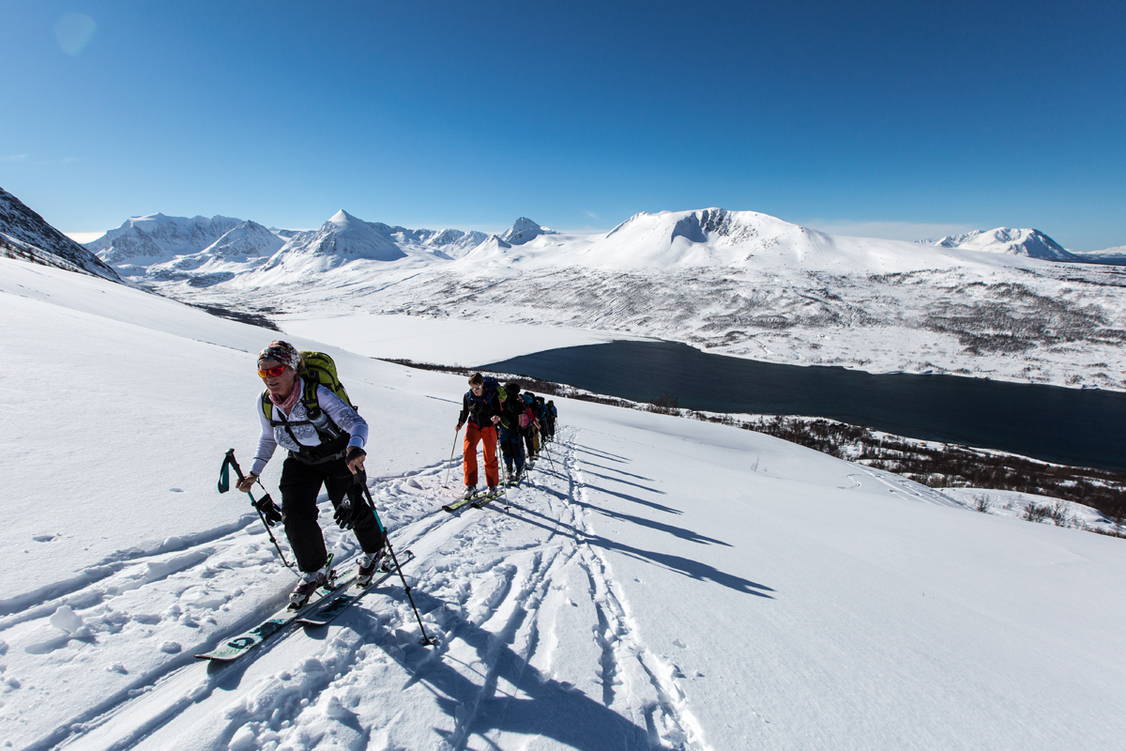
(198, 249)
(156, 238)
(26, 234)
(1028, 242)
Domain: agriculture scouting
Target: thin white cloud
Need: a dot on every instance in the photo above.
(39, 161)
(889, 230)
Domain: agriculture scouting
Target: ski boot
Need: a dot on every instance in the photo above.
(308, 585)
(368, 565)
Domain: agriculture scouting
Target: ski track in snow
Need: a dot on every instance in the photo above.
(537, 644)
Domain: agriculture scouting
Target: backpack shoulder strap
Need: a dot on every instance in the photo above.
(309, 396)
(267, 407)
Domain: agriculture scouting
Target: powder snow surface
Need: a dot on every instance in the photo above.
(658, 582)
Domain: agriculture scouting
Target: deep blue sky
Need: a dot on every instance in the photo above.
(893, 117)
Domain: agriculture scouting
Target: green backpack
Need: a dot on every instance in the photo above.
(317, 369)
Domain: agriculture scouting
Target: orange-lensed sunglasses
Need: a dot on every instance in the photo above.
(273, 372)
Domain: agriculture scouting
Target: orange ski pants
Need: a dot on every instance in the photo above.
(488, 436)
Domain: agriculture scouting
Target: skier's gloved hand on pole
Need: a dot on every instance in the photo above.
(269, 510)
(355, 459)
(348, 513)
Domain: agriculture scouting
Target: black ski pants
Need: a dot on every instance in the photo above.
(300, 486)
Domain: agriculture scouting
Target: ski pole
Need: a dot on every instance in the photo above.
(225, 485)
(450, 466)
(362, 481)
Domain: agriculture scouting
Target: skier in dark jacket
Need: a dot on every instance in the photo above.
(481, 408)
(511, 438)
(549, 415)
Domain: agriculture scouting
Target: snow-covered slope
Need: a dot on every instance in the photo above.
(25, 234)
(148, 240)
(658, 583)
(1019, 242)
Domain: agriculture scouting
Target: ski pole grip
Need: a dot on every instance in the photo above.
(230, 459)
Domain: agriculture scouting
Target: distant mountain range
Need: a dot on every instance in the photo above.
(1004, 303)
(24, 234)
(204, 251)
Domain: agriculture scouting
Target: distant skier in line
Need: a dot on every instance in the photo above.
(512, 419)
(549, 415)
(541, 417)
(481, 408)
(329, 452)
(531, 432)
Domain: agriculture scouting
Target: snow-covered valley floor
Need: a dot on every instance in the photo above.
(658, 583)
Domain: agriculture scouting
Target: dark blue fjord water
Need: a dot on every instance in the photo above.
(1085, 427)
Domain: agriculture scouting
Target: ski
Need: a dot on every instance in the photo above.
(487, 498)
(236, 647)
(332, 606)
(464, 501)
(458, 504)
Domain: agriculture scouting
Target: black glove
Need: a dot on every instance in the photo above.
(269, 510)
(349, 511)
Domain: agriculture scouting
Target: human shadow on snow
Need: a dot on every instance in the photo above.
(531, 703)
(672, 529)
(600, 453)
(639, 486)
(690, 568)
(589, 463)
(616, 494)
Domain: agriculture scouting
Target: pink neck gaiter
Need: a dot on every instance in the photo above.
(290, 401)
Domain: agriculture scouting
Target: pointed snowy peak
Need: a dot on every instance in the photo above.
(1018, 242)
(523, 230)
(341, 239)
(25, 234)
(343, 220)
